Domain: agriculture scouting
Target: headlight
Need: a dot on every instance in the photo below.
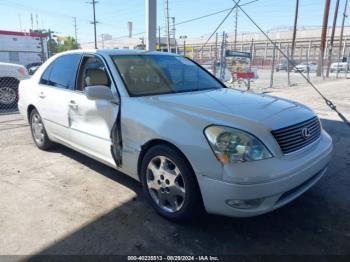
(231, 145)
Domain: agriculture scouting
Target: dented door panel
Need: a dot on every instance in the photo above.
(91, 123)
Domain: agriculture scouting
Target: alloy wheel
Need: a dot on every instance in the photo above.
(165, 184)
(37, 128)
(7, 95)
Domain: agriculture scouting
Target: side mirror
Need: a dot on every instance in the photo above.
(100, 93)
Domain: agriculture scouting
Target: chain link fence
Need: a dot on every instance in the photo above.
(269, 67)
(9, 82)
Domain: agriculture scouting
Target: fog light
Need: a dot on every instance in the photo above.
(244, 204)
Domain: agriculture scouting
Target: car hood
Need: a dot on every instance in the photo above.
(8, 66)
(228, 106)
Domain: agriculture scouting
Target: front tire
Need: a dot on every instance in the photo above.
(170, 184)
(38, 131)
(8, 92)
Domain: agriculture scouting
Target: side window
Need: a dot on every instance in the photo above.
(64, 71)
(45, 77)
(92, 73)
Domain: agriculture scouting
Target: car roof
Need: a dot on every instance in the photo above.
(108, 52)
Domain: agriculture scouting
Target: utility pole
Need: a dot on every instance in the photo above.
(94, 2)
(323, 37)
(216, 52)
(273, 64)
(183, 37)
(295, 28)
(250, 61)
(173, 28)
(288, 65)
(49, 44)
(103, 41)
(236, 26)
(167, 23)
(222, 56)
(31, 22)
(342, 34)
(75, 29)
(173, 31)
(42, 45)
(332, 37)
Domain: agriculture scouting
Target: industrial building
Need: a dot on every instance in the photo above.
(22, 47)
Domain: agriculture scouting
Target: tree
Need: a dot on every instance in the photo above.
(67, 43)
(52, 46)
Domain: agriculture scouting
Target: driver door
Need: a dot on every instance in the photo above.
(91, 121)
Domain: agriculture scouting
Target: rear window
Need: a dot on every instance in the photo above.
(62, 72)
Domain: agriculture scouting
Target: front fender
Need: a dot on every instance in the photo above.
(142, 122)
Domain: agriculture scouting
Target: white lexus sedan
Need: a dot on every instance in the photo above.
(164, 120)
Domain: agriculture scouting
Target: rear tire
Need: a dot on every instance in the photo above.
(39, 134)
(170, 184)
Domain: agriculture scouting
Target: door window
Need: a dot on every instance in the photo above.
(92, 73)
(45, 77)
(62, 72)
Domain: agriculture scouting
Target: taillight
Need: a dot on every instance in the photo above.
(22, 71)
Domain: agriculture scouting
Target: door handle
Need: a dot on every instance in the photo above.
(73, 105)
(42, 95)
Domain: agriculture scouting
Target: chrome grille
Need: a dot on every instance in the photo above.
(295, 137)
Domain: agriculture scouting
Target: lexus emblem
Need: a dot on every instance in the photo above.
(305, 132)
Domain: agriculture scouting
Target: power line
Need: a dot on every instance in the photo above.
(39, 10)
(327, 101)
(217, 28)
(211, 14)
(194, 19)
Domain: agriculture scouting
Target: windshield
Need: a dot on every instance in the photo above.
(162, 74)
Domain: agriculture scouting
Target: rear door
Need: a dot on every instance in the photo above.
(55, 89)
(91, 121)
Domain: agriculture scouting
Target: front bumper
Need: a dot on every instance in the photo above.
(307, 169)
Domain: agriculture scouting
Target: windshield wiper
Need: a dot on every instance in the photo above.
(196, 89)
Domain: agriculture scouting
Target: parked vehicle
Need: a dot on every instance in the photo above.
(10, 76)
(304, 67)
(340, 67)
(32, 67)
(285, 66)
(170, 124)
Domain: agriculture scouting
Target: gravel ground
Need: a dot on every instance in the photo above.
(61, 202)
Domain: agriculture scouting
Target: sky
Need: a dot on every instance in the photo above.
(113, 15)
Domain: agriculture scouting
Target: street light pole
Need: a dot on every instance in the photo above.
(151, 24)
